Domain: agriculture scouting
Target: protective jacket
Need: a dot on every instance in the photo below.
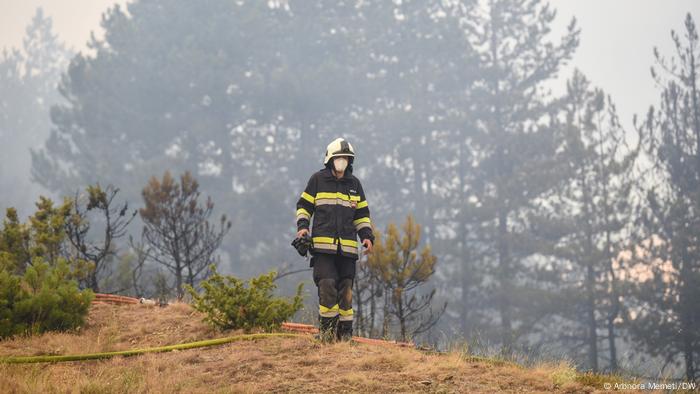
(339, 210)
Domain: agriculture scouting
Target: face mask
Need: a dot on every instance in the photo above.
(340, 164)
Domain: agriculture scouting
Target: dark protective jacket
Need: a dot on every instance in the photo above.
(339, 210)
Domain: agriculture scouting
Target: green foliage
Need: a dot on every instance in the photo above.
(9, 295)
(400, 269)
(668, 242)
(279, 83)
(48, 228)
(231, 303)
(14, 254)
(38, 288)
(44, 299)
(41, 238)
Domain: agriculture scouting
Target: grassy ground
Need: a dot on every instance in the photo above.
(266, 365)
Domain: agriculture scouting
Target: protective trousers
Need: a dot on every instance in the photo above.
(334, 275)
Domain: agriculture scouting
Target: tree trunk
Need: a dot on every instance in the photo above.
(590, 318)
(611, 342)
(614, 298)
(190, 275)
(504, 267)
(372, 308)
(402, 318)
(94, 285)
(689, 358)
(686, 309)
(463, 272)
(464, 308)
(178, 280)
(590, 279)
(385, 323)
(359, 315)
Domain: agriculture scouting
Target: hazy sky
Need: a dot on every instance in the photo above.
(615, 52)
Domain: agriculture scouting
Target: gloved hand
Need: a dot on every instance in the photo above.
(302, 244)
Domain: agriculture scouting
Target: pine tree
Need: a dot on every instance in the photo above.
(176, 226)
(517, 153)
(114, 221)
(28, 79)
(596, 211)
(401, 269)
(38, 282)
(667, 315)
(250, 109)
(14, 244)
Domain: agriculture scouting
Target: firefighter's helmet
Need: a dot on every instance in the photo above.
(339, 147)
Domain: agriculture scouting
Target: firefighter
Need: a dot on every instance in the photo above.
(335, 199)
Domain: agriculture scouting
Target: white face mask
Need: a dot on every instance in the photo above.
(340, 164)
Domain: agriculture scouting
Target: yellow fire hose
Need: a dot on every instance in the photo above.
(305, 329)
(134, 352)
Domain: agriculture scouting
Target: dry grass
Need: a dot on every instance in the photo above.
(110, 328)
(267, 365)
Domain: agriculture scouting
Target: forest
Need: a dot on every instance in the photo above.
(515, 220)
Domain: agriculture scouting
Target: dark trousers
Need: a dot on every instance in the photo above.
(334, 275)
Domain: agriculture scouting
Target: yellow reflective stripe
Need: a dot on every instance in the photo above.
(348, 242)
(361, 204)
(361, 220)
(335, 195)
(324, 309)
(326, 195)
(331, 240)
(344, 312)
(308, 197)
(302, 211)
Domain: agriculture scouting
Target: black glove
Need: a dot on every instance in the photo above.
(302, 244)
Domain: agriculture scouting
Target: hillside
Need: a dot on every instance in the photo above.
(266, 365)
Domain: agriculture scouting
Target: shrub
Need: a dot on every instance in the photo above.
(230, 303)
(38, 284)
(9, 295)
(44, 299)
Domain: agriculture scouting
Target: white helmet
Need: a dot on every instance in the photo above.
(339, 147)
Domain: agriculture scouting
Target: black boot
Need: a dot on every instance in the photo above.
(344, 330)
(334, 325)
(327, 329)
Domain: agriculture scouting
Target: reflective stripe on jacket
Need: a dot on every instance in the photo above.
(339, 210)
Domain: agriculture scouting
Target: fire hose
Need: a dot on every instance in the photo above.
(135, 352)
(301, 329)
